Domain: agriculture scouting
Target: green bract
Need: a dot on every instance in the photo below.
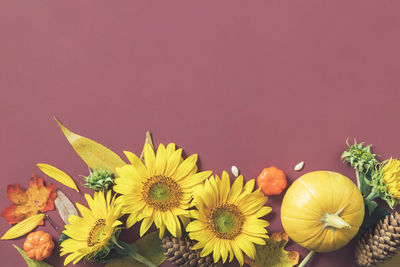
(100, 179)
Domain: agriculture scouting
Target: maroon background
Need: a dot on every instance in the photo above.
(250, 83)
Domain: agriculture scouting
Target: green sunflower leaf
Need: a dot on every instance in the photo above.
(29, 261)
(370, 220)
(62, 238)
(363, 181)
(149, 246)
(371, 205)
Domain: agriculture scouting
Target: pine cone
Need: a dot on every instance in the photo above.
(380, 244)
(178, 251)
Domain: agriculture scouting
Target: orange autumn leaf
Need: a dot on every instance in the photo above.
(27, 203)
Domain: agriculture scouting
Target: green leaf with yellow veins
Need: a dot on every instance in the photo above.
(148, 246)
(273, 254)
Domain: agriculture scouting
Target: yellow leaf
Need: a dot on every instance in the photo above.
(24, 227)
(273, 253)
(57, 175)
(92, 153)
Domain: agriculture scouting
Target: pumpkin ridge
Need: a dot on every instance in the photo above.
(335, 235)
(316, 235)
(332, 192)
(311, 194)
(351, 214)
(348, 200)
(315, 214)
(300, 219)
(322, 236)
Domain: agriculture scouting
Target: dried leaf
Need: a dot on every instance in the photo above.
(58, 175)
(27, 203)
(273, 254)
(149, 246)
(148, 140)
(92, 153)
(29, 261)
(64, 206)
(24, 227)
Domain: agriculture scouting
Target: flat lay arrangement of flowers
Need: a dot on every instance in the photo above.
(194, 217)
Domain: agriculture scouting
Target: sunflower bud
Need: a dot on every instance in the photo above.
(99, 179)
(360, 157)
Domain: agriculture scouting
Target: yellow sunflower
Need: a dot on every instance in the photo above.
(160, 190)
(391, 177)
(227, 218)
(91, 235)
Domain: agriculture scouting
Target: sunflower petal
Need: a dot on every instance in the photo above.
(150, 159)
(195, 179)
(217, 250)
(132, 219)
(137, 164)
(238, 253)
(186, 167)
(170, 223)
(225, 186)
(173, 162)
(236, 189)
(146, 223)
(247, 247)
(170, 149)
(161, 159)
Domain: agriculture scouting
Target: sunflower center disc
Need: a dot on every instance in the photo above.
(227, 221)
(97, 234)
(162, 193)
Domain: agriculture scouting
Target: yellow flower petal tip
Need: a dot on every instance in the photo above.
(57, 175)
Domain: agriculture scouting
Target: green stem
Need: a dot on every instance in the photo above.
(306, 259)
(372, 195)
(358, 180)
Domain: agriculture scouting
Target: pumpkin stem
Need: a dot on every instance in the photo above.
(334, 221)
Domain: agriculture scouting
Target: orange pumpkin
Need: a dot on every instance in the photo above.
(38, 245)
